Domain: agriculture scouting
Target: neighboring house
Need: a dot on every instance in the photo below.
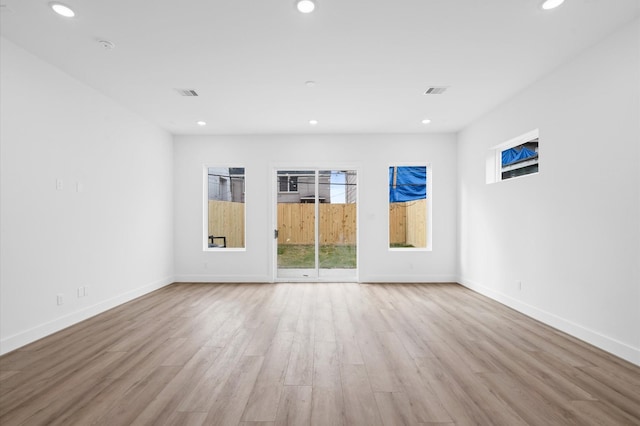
(351, 187)
(226, 184)
(299, 187)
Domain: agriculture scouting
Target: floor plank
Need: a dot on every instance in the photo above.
(315, 354)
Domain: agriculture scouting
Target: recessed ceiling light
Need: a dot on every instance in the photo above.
(551, 4)
(310, 83)
(426, 121)
(305, 6)
(313, 122)
(62, 9)
(201, 123)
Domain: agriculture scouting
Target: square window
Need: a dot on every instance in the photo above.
(516, 157)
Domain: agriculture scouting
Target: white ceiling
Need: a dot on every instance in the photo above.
(371, 59)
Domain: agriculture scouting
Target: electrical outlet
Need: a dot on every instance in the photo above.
(59, 184)
(60, 299)
(80, 292)
(85, 290)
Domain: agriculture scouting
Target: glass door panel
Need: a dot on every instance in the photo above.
(337, 221)
(296, 231)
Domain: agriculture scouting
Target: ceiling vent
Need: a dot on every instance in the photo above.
(436, 90)
(187, 92)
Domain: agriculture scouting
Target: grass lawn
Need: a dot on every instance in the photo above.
(400, 245)
(302, 256)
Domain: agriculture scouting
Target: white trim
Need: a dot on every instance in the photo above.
(518, 140)
(25, 337)
(316, 220)
(606, 343)
(259, 279)
(417, 279)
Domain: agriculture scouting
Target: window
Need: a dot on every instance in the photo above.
(409, 204)
(288, 183)
(516, 157)
(224, 208)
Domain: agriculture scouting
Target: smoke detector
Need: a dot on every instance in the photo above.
(106, 44)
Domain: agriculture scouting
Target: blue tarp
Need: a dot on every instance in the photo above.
(513, 155)
(410, 183)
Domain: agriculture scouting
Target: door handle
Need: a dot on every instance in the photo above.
(275, 234)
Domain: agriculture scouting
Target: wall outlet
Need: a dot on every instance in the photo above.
(85, 290)
(59, 184)
(60, 299)
(80, 292)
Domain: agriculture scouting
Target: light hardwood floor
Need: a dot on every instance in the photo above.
(315, 354)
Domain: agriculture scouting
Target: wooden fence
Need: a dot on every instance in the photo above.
(408, 222)
(226, 219)
(337, 223)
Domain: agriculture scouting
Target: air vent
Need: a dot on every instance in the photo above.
(187, 92)
(436, 90)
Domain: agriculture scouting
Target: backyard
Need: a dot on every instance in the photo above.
(294, 256)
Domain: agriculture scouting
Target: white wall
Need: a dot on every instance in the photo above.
(115, 236)
(371, 154)
(571, 234)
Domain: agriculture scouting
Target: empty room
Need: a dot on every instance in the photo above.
(320, 212)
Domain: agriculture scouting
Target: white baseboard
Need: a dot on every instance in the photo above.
(606, 343)
(408, 279)
(223, 279)
(23, 338)
(362, 279)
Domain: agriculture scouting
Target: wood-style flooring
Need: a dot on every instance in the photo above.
(315, 354)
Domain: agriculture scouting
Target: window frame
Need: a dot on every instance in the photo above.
(494, 163)
(205, 207)
(429, 208)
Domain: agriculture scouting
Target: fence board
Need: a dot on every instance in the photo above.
(226, 219)
(397, 223)
(417, 223)
(408, 223)
(337, 223)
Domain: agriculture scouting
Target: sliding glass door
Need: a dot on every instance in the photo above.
(316, 225)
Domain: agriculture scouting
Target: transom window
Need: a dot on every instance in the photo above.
(516, 157)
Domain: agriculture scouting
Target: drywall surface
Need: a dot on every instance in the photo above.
(570, 234)
(371, 155)
(86, 201)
